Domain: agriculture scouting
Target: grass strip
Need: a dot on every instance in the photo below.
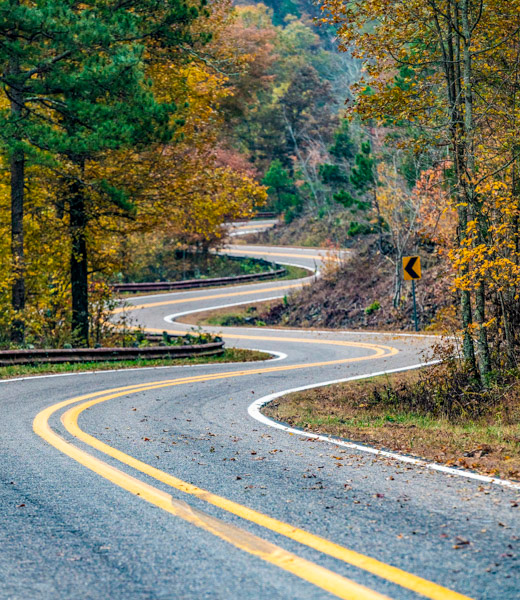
(386, 412)
(229, 355)
(248, 315)
(293, 272)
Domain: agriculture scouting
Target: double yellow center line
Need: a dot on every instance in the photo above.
(313, 573)
(206, 297)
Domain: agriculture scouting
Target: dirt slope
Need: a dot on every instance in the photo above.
(360, 295)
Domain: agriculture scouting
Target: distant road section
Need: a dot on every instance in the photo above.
(243, 228)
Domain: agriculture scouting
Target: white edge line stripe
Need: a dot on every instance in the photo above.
(171, 318)
(254, 412)
(327, 331)
(283, 250)
(247, 288)
(279, 356)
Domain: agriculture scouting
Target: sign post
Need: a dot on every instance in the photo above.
(411, 272)
(414, 306)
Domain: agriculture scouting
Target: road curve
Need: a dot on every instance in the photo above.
(240, 228)
(156, 483)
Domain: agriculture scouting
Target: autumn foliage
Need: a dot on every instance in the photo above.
(84, 176)
(446, 72)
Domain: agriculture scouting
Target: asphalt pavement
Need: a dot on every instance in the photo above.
(157, 484)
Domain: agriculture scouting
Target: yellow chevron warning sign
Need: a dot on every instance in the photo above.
(411, 267)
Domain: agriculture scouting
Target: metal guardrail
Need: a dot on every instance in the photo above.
(76, 355)
(266, 215)
(258, 216)
(194, 283)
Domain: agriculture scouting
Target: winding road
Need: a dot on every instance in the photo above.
(165, 483)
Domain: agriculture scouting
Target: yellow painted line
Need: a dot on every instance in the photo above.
(253, 226)
(306, 570)
(379, 349)
(208, 297)
(407, 580)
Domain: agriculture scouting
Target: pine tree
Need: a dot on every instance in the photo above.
(74, 75)
(282, 191)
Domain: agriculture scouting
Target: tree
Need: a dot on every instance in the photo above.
(67, 71)
(25, 55)
(343, 149)
(184, 191)
(98, 171)
(105, 108)
(290, 70)
(282, 191)
(441, 66)
(399, 210)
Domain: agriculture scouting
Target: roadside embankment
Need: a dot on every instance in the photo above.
(355, 293)
(437, 414)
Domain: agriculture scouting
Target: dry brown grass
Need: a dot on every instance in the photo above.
(382, 413)
(245, 315)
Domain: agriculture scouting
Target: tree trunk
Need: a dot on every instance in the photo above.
(469, 185)
(79, 266)
(17, 173)
(17, 244)
(484, 358)
(511, 358)
(379, 218)
(449, 40)
(397, 282)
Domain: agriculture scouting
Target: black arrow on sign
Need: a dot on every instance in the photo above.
(409, 268)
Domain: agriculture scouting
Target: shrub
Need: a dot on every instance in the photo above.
(372, 308)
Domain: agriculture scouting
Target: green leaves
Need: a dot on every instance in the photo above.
(282, 191)
(332, 174)
(116, 195)
(362, 175)
(343, 147)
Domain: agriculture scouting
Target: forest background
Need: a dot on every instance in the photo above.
(125, 139)
(118, 154)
